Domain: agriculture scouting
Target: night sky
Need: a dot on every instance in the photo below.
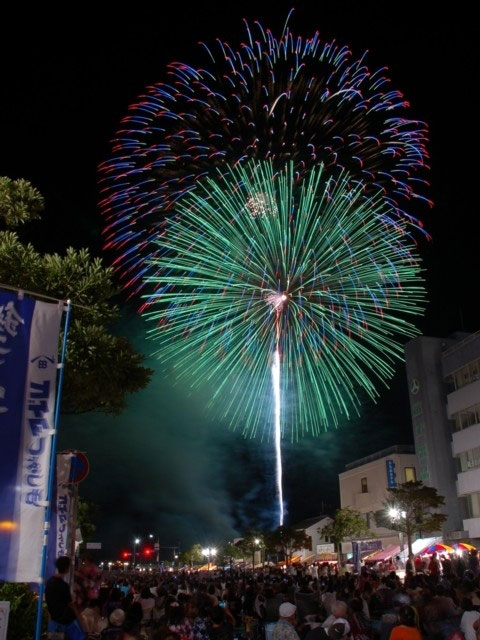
(166, 466)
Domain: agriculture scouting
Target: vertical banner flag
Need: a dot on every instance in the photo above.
(59, 535)
(63, 504)
(29, 334)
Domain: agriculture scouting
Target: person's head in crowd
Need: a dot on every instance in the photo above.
(406, 615)
(356, 605)
(217, 616)
(339, 629)
(339, 609)
(175, 613)
(467, 604)
(145, 593)
(133, 614)
(117, 618)
(287, 611)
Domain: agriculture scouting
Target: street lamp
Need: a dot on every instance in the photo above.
(256, 542)
(209, 552)
(156, 546)
(135, 542)
(395, 514)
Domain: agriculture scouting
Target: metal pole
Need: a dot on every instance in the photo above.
(51, 475)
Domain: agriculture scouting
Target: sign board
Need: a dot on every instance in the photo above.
(326, 548)
(4, 611)
(80, 467)
(391, 475)
(94, 545)
(156, 546)
(370, 545)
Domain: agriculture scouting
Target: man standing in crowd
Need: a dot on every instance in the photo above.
(63, 612)
(285, 627)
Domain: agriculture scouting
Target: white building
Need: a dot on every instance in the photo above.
(364, 485)
(461, 370)
(444, 382)
(318, 543)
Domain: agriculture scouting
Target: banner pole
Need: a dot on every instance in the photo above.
(51, 475)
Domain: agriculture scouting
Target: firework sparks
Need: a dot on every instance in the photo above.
(290, 99)
(329, 281)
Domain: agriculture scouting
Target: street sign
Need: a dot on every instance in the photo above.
(80, 467)
(94, 545)
(156, 546)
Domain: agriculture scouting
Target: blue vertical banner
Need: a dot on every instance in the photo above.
(29, 335)
(391, 475)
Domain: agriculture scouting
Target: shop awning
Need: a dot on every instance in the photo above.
(384, 554)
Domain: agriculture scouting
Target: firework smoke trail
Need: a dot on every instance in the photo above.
(278, 432)
(278, 302)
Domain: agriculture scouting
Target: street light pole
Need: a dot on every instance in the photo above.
(256, 542)
(209, 552)
(156, 546)
(395, 515)
(135, 542)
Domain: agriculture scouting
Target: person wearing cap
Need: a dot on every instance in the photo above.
(339, 612)
(114, 631)
(339, 629)
(285, 627)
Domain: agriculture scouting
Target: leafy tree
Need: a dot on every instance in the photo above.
(87, 512)
(19, 202)
(347, 523)
(409, 509)
(229, 552)
(286, 540)
(192, 556)
(102, 367)
(23, 610)
(251, 542)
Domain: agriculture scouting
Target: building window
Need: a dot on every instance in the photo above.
(450, 382)
(466, 375)
(364, 484)
(466, 418)
(472, 504)
(410, 475)
(468, 460)
(474, 373)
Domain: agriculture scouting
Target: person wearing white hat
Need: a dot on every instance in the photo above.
(285, 627)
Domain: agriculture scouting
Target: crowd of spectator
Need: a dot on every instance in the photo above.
(438, 599)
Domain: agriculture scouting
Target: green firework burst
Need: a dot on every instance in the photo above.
(253, 257)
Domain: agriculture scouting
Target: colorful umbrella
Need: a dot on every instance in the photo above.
(464, 546)
(439, 547)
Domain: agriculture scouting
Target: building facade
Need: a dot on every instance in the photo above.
(444, 388)
(312, 527)
(365, 483)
